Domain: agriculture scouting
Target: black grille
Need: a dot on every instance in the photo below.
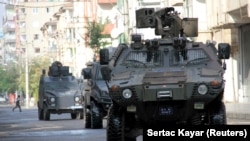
(65, 101)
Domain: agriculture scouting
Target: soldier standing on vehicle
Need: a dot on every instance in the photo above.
(17, 104)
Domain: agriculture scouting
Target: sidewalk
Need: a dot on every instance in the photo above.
(238, 110)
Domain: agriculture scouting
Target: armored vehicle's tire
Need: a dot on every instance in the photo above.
(96, 116)
(79, 115)
(40, 113)
(46, 114)
(73, 115)
(87, 118)
(218, 114)
(116, 125)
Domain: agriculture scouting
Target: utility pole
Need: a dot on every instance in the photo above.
(27, 77)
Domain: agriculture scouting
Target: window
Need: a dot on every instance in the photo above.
(35, 10)
(23, 37)
(23, 50)
(47, 9)
(37, 50)
(22, 10)
(22, 24)
(36, 36)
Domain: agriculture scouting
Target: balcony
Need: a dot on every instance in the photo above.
(150, 2)
(107, 1)
(234, 5)
(238, 12)
(8, 29)
(22, 30)
(21, 17)
(7, 41)
(177, 3)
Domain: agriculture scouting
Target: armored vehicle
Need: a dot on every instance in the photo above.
(96, 98)
(59, 92)
(166, 80)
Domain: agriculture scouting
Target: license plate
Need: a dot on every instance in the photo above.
(166, 111)
(75, 107)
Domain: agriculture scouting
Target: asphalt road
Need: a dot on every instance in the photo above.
(25, 126)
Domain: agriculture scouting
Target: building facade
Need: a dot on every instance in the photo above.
(226, 21)
(61, 34)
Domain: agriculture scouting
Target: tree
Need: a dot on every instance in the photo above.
(9, 76)
(95, 36)
(35, 70)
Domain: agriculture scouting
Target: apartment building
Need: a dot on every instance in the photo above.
(30, 15)
(1, 47)
(9, 35)
(229, 21)
(66, 31)
(226, 21)
(65, 40)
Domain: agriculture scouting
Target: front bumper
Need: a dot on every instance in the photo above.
(165, 103)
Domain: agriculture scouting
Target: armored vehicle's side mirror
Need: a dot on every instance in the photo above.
(223, 51)
(43, 71)
(105, 70)
(86, 73)
(104, 56)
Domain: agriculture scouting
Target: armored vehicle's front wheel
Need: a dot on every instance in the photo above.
(96, 116)
(87, 118)
(214, 115)
(46, 114)
(79, 115)
(40, 113)
(218, 114)
(73, 115)
(116, 128)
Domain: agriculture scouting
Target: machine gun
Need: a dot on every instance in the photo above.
(166, 22)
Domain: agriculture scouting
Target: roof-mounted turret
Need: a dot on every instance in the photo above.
(57, 69)
(166, 22)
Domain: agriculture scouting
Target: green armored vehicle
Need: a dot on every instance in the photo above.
(170, 80)
(59, 92)
(96, 98)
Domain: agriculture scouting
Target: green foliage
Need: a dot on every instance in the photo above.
(13, 76)
(35, 71)
(9, 76)
(95, 36)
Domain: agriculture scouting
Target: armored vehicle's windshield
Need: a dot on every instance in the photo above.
(188, 57)
(99, 75)
(143, 59)
(61, 85)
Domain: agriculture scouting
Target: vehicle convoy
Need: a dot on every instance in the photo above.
(96, 98)
(170, 80)
(59, 92)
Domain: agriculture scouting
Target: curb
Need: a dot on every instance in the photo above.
(243, 116)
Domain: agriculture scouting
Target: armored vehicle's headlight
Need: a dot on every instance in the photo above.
(202, 89)
(52, 99)
(104, 93)
(77, 99)
(127, 93)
